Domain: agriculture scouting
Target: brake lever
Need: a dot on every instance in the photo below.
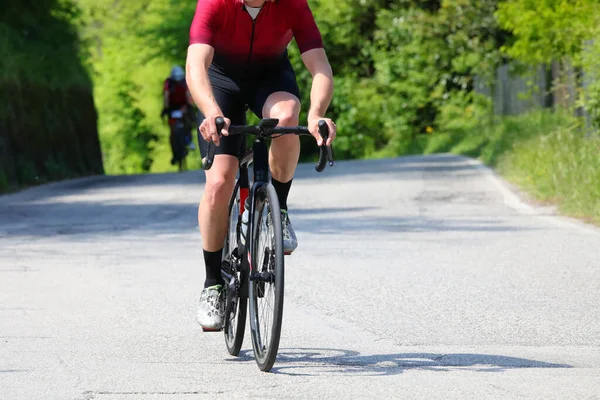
(207, 161)
(325, 152)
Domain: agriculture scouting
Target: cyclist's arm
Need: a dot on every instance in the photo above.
(322, 84)
(310, 45)
(199, 58)
(208, 19)
(166, 100)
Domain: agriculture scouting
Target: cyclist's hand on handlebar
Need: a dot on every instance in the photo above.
(208, 129)
(313, 127)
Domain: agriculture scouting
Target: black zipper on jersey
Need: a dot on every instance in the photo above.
(253, 27)
(252, 39)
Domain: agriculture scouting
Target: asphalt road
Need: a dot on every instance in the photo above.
(419, 277)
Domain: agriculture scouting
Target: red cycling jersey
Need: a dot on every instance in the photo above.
(177, 92)
(239, 41)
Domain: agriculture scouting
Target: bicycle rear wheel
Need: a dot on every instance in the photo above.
(235, 306)
(266, 277)
(183, 151)
(180, 148)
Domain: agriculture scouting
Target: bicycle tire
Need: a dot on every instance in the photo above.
(266, 333)
(180, 147)
(235, 326)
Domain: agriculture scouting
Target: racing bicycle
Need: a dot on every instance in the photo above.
(253, 259)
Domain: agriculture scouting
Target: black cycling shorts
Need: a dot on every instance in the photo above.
(234, 93)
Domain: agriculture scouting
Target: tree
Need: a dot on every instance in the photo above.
(563, 31)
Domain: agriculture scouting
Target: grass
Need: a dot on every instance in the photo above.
(546, 154)
(562, 167)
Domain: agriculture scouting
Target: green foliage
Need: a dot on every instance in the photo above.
(560, 166)
(566, 31)
(397, 62)
(462, 114)
(491, 140)
(549, 30)
(590, 95)
(27, 172)
(404, 72)
(4, 182)
(132, 46)
(57, 169)
(39, 44)
(46, 107)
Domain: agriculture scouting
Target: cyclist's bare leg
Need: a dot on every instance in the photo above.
(285, 150)
(283, 156)
(214, 206)
(212, 219)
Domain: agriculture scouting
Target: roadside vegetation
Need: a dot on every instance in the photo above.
(47, 116)
(408, 80)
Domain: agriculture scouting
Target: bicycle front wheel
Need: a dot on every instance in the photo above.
(266, 277)
(235, 305)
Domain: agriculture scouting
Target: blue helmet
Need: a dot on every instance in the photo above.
(177, 73)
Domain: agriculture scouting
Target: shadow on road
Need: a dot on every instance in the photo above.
(317, 362)
(122, 205)
(352, 224)
(86, 219)
(98, 218)
(444, 165)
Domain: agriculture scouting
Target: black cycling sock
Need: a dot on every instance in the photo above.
(282, 189)
(212, 263)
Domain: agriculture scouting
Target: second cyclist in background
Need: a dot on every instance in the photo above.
(176, 97)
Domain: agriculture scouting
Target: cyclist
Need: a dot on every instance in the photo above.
(238, 57)
(177, 97)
